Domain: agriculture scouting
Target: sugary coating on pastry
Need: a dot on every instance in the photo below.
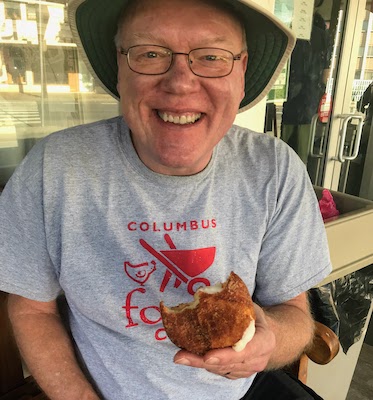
(220, 316)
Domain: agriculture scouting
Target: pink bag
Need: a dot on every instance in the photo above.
(327, 205)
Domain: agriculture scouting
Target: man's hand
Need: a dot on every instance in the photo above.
(282, 333)
(231, 364)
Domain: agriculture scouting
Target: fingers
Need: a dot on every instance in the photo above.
(184, 357)
(235, 372)
(223, 370)
(225, 356)
(236, 375)
(213, 358)
(214, 363)
(235, 365)
(210, 364)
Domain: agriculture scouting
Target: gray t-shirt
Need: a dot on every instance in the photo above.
(83, 215)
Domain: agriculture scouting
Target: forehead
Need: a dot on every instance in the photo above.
(189, 18)
(133, 7)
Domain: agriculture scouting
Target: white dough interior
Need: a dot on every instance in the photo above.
(207, 289)
(246, 337)
(211, 289)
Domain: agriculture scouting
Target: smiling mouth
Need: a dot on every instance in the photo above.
(180, 119)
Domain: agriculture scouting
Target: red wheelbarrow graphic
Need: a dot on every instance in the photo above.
(186, 265)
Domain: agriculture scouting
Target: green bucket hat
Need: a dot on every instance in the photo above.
(94, 25)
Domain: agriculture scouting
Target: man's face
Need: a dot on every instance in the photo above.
(181, 25)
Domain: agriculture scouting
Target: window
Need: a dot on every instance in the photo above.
(44, 84)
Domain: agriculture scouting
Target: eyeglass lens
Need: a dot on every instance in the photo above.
(155, 60)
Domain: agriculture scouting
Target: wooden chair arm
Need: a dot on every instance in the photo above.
(325, 345)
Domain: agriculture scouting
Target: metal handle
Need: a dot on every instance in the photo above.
(346, 119)
(312, 138)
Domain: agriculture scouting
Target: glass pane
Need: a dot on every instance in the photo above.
(357, 174)
(44, 85)
(300, 101)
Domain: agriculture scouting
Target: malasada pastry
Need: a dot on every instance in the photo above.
(220, 316)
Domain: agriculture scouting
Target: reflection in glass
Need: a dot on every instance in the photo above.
(309, 67)
(303, 108)
(44, 85)
(357, 174)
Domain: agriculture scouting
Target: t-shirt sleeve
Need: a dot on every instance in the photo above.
(294, 255)
(26, 268)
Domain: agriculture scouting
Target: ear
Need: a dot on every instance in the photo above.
(245, 60)
(119, 62)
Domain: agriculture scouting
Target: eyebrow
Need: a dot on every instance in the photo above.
(204, 43)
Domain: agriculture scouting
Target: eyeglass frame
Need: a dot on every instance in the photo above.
(236, 57)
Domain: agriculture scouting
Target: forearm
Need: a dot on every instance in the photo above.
(293, 327)
(47, 351)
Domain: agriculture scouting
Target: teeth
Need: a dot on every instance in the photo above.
(181, 120)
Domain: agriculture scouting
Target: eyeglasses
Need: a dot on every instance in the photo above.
(206, 62)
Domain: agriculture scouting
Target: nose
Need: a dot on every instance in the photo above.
(179, 78)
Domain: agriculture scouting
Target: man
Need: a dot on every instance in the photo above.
(99, 211)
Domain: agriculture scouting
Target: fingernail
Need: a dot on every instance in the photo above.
(212, 361)
(183, 361)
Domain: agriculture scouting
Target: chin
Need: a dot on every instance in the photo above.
(183, 165)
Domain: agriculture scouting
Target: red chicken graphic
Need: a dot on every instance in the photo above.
(139, 273)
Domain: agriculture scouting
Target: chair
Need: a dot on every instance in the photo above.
(13, 385)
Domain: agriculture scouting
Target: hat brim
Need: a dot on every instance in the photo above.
(94, 25)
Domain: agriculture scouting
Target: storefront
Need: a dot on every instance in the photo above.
(320, 104)
(44, 85)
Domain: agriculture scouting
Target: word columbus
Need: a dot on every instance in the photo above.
(171, 226)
